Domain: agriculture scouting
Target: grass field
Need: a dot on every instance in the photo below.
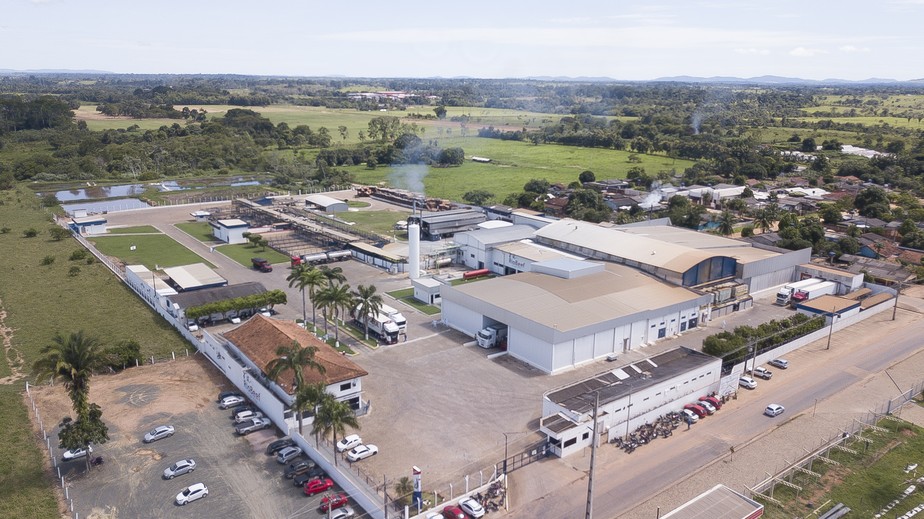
(39, 302)
(153, 251)
(141, 229)
(201, 231)
(98, 122)
(406, 296)
(243, 252)
(381, 222)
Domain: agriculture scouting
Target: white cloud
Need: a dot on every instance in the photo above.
(753, 52)
(803, 52)
(853, 48)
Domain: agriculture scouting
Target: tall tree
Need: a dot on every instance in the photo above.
(298, 277)
(72, 359)
(309, 397)
(367, 302)
(80, 433)
(334, 417)
(726, 223)
(334, 299)
(296, 358)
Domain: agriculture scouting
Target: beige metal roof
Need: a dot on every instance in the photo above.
(639, 248)
(683, 236)
(196, 275)
(533, 251)
(568, 304)
(829, 303)
(720, 502)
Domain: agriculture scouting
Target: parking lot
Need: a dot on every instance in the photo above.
(242, 480)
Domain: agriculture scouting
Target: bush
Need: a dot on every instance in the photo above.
(4, 230)
(48, 260)
(122, 355)
(30, 233)
(79, 254)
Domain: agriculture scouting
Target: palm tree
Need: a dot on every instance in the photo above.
(403, 488)
(367, 302)
(296, 278)
(334, 299)
(332, 274)
(763, 220)
(334, 417)
(308, 398)
(72, 359)
(312, 279)
(293, 357)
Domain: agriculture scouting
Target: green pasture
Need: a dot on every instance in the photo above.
(380, 222)
(140, 229)
(895, 122)
(201, 231)
(153, 251)
(243, 252)
(25, 488)
(98, 122)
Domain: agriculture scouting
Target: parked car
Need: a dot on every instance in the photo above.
(361, 452)
(779, 363)
(710, 409)
(240, 408)
(774, 410)
(316, 486)
(159, 433)
(762, 372)
(254, 424)
(699, 410)
(192, 493)
(73, 454)
(689, 416)
(342, 513)
(453, 512)
(277, 445)
(231, 401)
(297, 468)
(179, 468)
(435, 515)
(349, 442)
(243, 416)
(225, 394)
(747, 383)
(288, 454)
(712, 400)
(471, 507)
(333, 501)
(312, 473)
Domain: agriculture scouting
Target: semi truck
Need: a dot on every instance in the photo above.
(261, 264)
(492, 336)
(784, 295)
(319, 258)
(823, 288)
(395, 316)
(380, 325)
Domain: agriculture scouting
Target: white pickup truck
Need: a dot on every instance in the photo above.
(254, 424)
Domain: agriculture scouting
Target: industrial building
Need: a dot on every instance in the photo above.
(719, 502)
(193, 277)
(567, 312)
(442, 224)
(326, 204)
(230, 231)
(626, 397)
(176, 304)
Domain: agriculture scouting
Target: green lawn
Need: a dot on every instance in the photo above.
(141, 229)
(380, 222)
(243, 252)
(201, 231)
(153, 251)
(25, 489)
(406, 296)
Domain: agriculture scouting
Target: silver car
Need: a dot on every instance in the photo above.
(179, 468)
(288, 454)
(158, 433)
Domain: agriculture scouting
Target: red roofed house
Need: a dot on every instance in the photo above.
(258, 339)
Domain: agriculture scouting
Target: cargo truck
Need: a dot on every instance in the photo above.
(784, 295)
(380, 325)
(395, 316)
(261, 264)
(492, 336)
(823, 288)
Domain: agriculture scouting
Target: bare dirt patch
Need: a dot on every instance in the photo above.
(12, 355)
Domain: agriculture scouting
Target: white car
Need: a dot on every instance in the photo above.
(342, 513)
(74, 454)
(747, 383)
(179, 468)
(349, 442)
(689, 416)
(231, 401)
(779, 363)
(243, 416)
(288, 454)
(361, 452)
(191, 493)
(158, 433)
(774, 410)
(471, 507)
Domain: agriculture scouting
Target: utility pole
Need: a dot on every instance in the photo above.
(588, 511)
(897, 293)
(831, 331)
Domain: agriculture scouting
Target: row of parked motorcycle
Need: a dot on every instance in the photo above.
(664, 425)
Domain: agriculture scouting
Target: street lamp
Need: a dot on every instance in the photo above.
(831, 331)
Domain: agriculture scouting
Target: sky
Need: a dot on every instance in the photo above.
(619, 39)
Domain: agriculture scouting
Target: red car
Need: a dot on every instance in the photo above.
(333, 502)
(698, 409)
(712, 400)
(316, 486)
(453, 512)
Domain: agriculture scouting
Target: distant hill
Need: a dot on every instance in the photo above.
(780, 80)
(53, 71)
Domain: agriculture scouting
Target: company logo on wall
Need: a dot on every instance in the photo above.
(248, 386)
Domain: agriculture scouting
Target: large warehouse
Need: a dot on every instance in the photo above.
(568, 312)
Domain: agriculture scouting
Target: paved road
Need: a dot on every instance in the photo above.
(623, 482)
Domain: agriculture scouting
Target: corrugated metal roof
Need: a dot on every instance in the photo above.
(233, 222)
(322, 200)
(720, 502)
(533, 251)
(508, 233)
(189, 277)
(568, 304)
(213, 295)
